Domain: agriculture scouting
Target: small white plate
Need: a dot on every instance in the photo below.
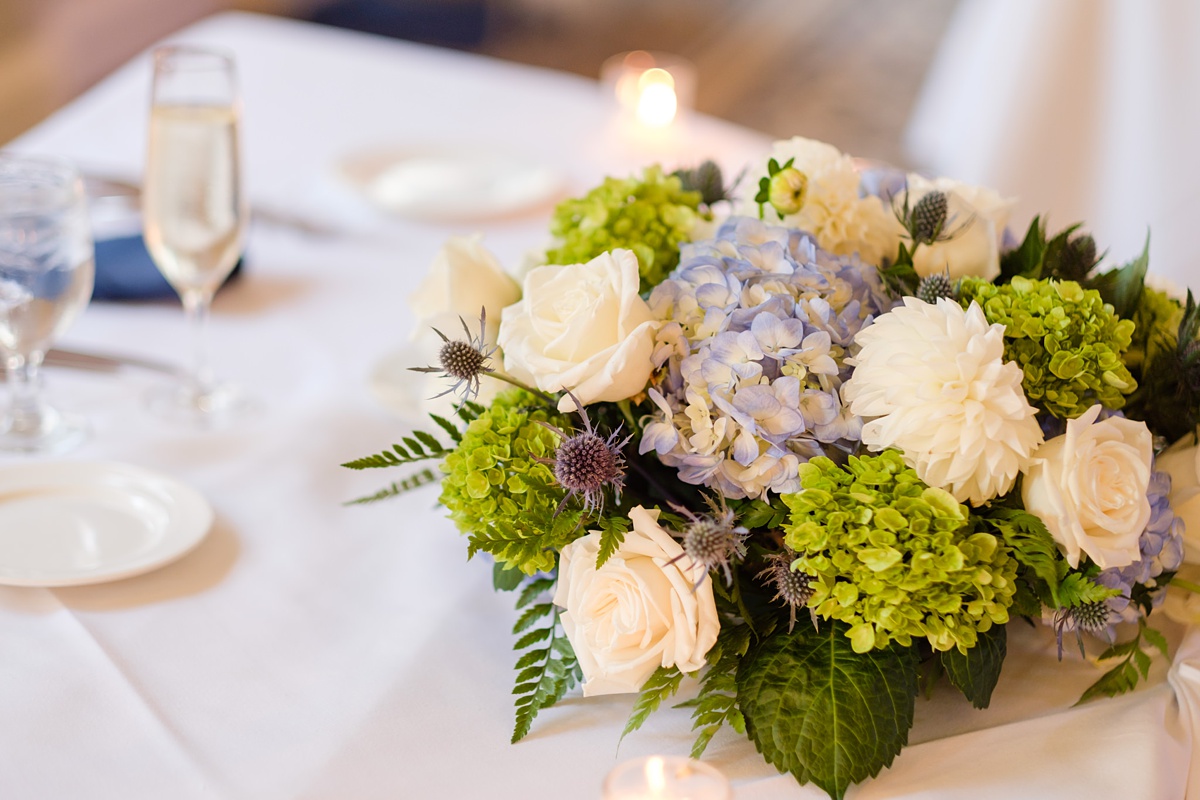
(68, 523)
(451, 187)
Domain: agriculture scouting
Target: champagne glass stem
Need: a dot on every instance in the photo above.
(196, 306)
(27, 412)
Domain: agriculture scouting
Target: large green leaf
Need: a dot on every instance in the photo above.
(975, 673)
(1123, 287)
(830, 716)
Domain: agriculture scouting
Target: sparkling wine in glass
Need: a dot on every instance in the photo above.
(46, 272)
(193, 209)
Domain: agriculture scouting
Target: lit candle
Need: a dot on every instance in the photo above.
(666, 778)
(651, 88)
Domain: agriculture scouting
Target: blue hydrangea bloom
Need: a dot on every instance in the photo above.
(759, 322)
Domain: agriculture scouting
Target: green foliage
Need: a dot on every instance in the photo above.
(547, 667)
(895, 559)
(826, 714)
(1165, 361)
(1122, 287)
(422, 478)
(418, 447)
(500, 495)
(1067, 256)
(651, 215)
(612, 534)
(976, 671)
(716, 703)
(900, 277)
(663, 683)
(1067, 340)
(506, 579)
(1031, 544)
(1135, 665)
(760, 514)
(1078, 588)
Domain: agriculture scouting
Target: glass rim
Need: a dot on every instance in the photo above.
(35, 183)
(164, 53)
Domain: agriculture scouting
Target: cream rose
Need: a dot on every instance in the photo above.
(638, 612)
(1089, 487)
(976, 216)
(582, 328)
(463, 278)
(1182, 462)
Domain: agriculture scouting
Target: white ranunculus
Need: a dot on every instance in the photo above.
(1182, 462)
(583, 328)
(976, 216)
(463, 279)
(640, 611)
(1089, 487)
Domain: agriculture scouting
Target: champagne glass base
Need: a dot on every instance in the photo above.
(219, 406)
(56, 433)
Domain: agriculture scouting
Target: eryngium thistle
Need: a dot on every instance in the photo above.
(585, 463)
(1090, 618)
(705, 179)
(1078, 258)
(928, 218)
(713, 540)
(463, 361)
(792, 587)
(934, 286)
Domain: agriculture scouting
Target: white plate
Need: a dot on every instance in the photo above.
(67, 523)
(452, 187)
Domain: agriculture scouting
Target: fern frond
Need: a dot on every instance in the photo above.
(422, 478)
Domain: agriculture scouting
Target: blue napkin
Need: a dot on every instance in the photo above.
(125, 271)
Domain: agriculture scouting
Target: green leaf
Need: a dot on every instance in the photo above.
(1026, 260)
(612, 534)
(417, 480)
(398, 455)
(1122, 287)
(975, 672)
(544, 674)
(663, 683)
(1155, 639)
(449, 427)
(535, 588)
(1030, 541)
(1077, 589)
(505, 580)
(824, 713)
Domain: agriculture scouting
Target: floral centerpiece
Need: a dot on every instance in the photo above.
(849, 421)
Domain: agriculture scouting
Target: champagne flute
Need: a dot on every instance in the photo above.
(193, 209)
(46, 273)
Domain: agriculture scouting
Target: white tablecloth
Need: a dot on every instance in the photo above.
(307, 650)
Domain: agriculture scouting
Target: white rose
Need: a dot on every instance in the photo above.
(976, 216)
(1089, 487)
(582, 328)
(638, 612)
(1182, 462)
(463, 278)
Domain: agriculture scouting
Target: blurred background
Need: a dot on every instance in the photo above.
(844, 72)
(1090, 108)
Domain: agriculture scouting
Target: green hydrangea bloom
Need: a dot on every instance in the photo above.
(894, 558)
(500, 495)
(651, 215)
(1067, 340)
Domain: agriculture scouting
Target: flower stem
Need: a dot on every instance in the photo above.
(514, 382)
(1188, 585)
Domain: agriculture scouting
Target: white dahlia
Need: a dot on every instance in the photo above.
(932, 382)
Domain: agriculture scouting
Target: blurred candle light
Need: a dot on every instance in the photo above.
(666, 778)
(652, 89)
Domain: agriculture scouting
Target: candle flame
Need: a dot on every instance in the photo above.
(657, 103)
(656, 775)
